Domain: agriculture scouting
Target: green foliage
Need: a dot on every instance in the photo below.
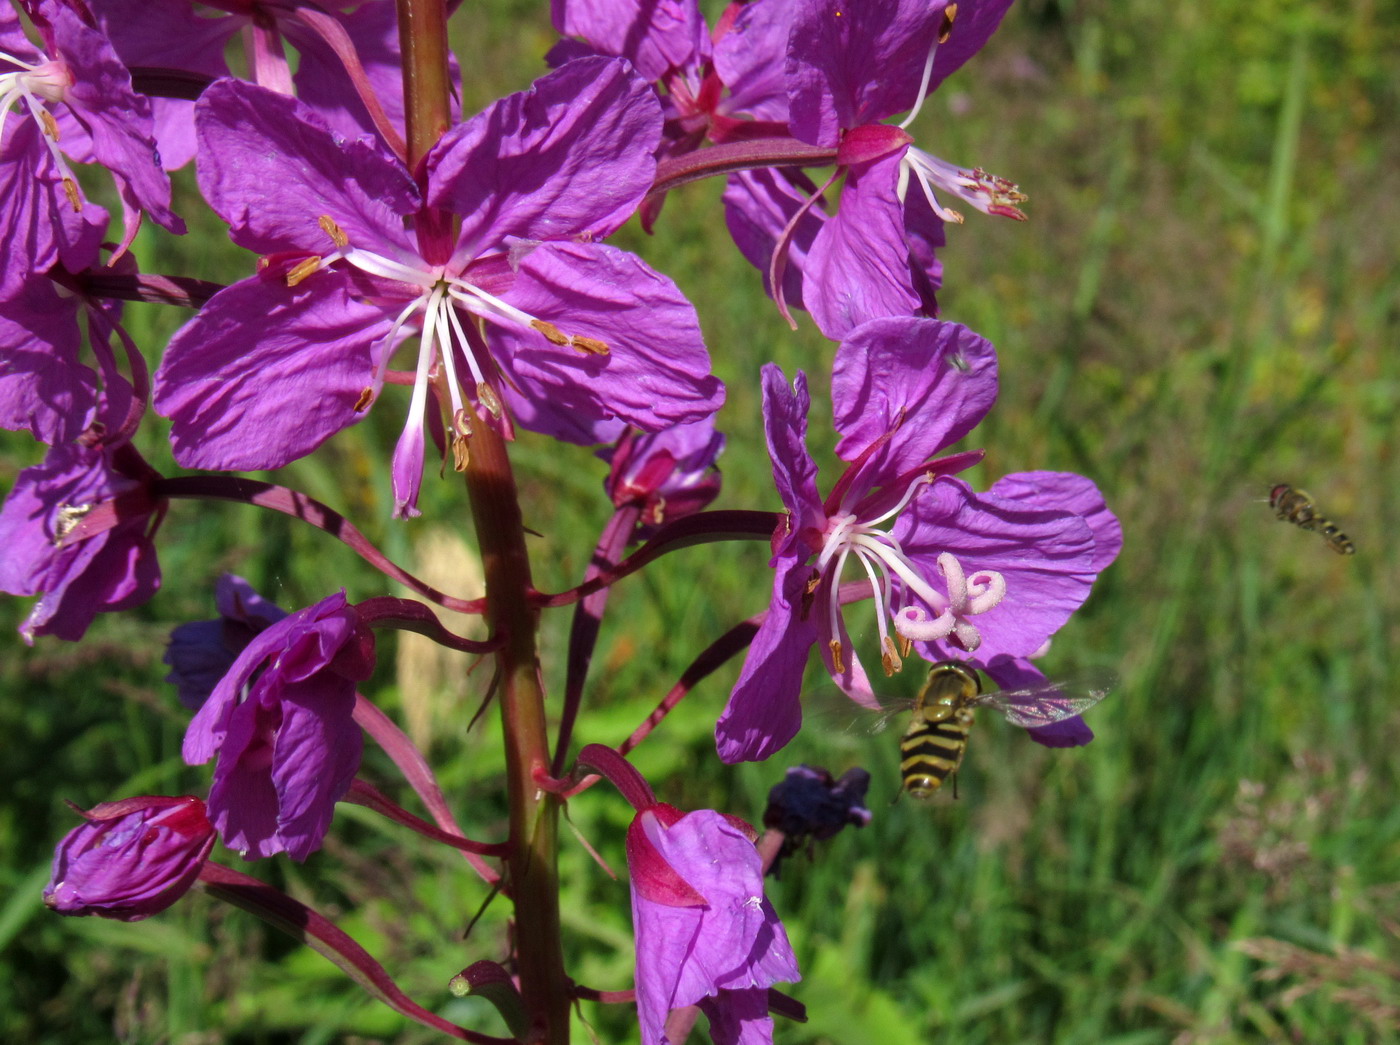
(1202, 305)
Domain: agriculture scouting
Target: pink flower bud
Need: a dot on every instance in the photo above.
(131, 859)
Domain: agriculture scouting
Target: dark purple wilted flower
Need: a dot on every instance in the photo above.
(80, 99)
(809, 805)
(955, 573)
(77, 532)
(132, 859)
(706, 933)
(202, 652)
(280, 722)
(524, 315)
(848, 67)
(669, 474)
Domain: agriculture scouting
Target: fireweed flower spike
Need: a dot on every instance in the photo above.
(524, 317)
(959, 573)
(850, 66)
(77, 103)
(280, 723)
(132, 859)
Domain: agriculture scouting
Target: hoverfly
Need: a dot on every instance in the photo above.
(1294, 505)
(933, 746)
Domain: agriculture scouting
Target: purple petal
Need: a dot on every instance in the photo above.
(739, 1017)
(43, 387)
(571, 157)
(785, 412)
(656, 371)
(316, 756)
(1068, 492)
(242, 799)
(750, 58)
(927, 381)
(851, 64)
(253, 141)
(1046, 558)
(858, 266)
(764, 710)
(656, 37)
(976, 21)
(266, 373)
(117, 119)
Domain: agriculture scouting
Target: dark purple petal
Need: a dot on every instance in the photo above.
(132, 859)
(851, 64)
(316, 754)
(764, 710)
(1068, 492)
(739, 1017)
(926, 381)
(858, 266)
(750, 57)
(242, 798)
(266, 373)
(1045, 556)
(571, 157)
(656, 371)
(271, 168)
(656, 37)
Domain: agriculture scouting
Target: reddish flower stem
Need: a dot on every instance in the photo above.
(495, 505)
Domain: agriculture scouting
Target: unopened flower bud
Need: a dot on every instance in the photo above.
(132, 859)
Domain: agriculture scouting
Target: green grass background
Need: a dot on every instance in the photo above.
(1203, 303)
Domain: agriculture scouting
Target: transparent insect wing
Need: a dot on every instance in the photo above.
(1049, 702)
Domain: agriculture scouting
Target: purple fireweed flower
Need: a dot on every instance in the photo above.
(706, 933)
(958, 574)
(525, 316)
(848, 67)
(77, 531)
(132, 859)
(202, 652)
(669, 474)
(83, 108)
(280, 723)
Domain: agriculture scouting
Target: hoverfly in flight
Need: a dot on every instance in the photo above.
(1294, 505)
(933, 746)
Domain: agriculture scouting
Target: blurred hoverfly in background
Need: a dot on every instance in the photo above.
(1294, 505)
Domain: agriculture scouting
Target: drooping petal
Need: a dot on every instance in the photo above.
(1068, 492)
(251, 139)
(317, 753)
(242, 799)
(266, 373)
(764, 710)
(656, 37)
(926, 381)
(655, 371)
(858, 266)
(854, 63)
(571, 157)
(1045, 557)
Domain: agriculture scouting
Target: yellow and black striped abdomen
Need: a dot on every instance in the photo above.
(932, 749)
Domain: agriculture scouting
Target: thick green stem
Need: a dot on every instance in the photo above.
(533, 880)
